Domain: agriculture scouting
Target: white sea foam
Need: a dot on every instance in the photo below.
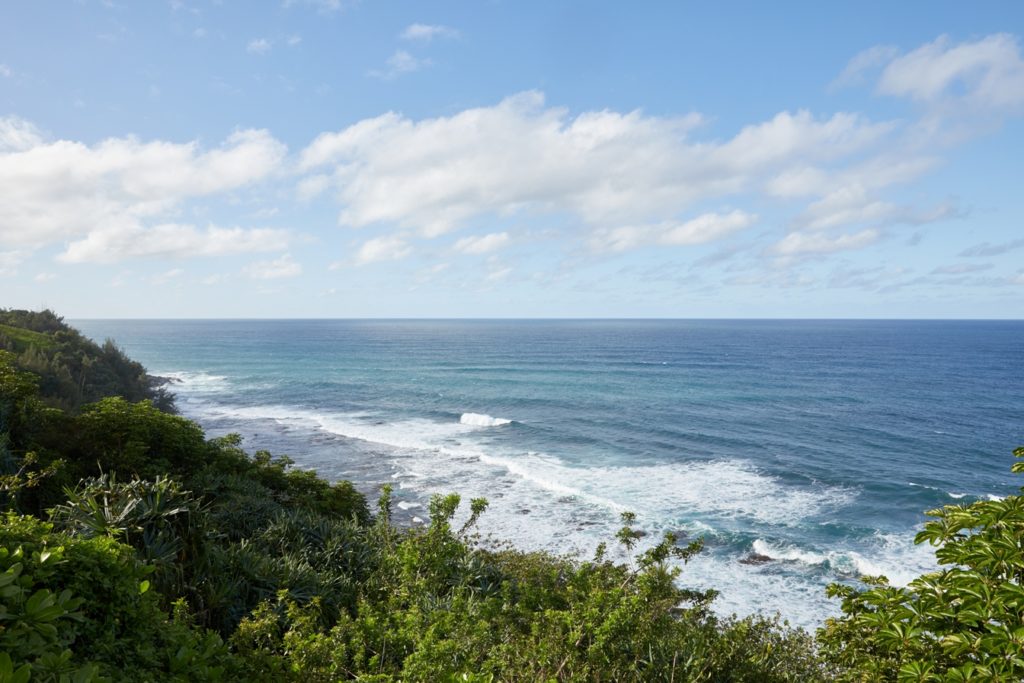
(894, 556)
(787, 553)
(195, 382)
(481, 420)
(539, 501)
(727, 489)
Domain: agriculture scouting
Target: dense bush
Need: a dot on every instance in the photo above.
(963, 623)
(83, 607)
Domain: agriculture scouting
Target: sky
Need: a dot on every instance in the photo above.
(338, 158)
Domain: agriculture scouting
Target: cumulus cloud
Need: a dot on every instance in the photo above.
(401, 62)
(988, 72)
(9, 262)
(606, 168)
(102, 197)
(283, 267)
(167, 276)
(169, 240)
(482, 244)
(324, 6)
(702, 229)
(44, 277)
(258, 46)
(18, 135)
(427, 32)
(801, 243)
(870, 59)
(853, 204)
(386, 248)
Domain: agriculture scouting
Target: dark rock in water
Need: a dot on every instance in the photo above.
(639, 533)
(756, 558)
(158, 381)
(523, 511)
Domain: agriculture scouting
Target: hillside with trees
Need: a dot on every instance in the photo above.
(133, 548)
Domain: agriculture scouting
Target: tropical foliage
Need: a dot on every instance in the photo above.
(963, 623)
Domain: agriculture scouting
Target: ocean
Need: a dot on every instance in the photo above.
(817, 444)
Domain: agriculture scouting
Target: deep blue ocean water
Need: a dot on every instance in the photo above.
(816, 443)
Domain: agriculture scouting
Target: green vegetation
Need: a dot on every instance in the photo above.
(964, 623)
(72, 370)
(133, 548)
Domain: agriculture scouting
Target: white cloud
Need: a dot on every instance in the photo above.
(53, 191)
(427, 32)
(294, 40)
(988, 72)
(324, 6)
(18, 135)
(167, 276)
(498, 274)
(44, 277)
(282, 267)
(853, 204)
(482, 244)
(9, 262)
(800, 243)
(215, 279)
(199, 33)
(5, 71)
(874, 174)
(312, 186)
(700, 230)
(387, 248)
(868, 60)
(170, 240)
(258, 46)
(849, 204)
(603, 167)
(988, 249)
(401, 62)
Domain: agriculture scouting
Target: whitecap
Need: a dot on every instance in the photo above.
(194, 382)
(482, 420)
(787, 553)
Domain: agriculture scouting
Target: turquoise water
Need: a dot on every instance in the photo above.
(816, 443)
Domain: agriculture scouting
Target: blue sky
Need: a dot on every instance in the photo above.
(512, 159)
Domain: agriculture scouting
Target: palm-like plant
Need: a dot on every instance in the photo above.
(166, 524)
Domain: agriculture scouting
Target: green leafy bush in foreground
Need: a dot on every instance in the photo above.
(82, 609)
(964, 623)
